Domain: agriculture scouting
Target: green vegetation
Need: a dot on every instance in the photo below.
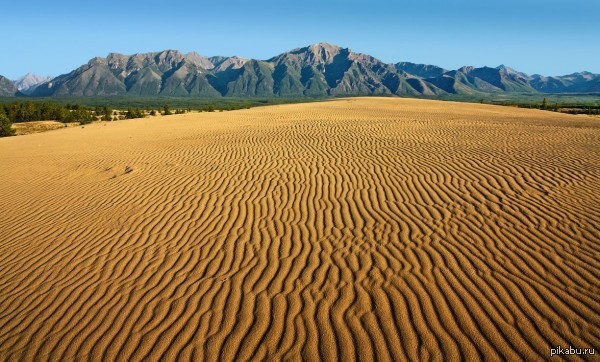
(5, 126)
(134, 113)
(105, 112)
(566, 103)
(571, 108)
(42, 111)
(189, 103)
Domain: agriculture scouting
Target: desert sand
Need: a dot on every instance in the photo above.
(354, 229)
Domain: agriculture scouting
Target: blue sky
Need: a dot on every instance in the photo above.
(551, 37)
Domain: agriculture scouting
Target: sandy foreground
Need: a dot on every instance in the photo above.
(355, 229)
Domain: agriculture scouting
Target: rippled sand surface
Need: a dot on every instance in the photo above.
(355, 229)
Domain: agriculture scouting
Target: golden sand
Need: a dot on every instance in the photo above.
(354, 229)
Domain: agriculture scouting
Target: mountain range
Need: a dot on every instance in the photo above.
(314, 71)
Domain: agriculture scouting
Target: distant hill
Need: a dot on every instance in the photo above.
(583, 82)
(318, 70)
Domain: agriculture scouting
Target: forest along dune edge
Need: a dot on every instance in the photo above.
(354, 229)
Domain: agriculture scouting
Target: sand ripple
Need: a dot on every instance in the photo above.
(362, 229)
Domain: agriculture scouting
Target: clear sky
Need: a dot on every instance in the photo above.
(550, 37)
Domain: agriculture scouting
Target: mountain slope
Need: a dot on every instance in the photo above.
(583, 82)
(168, 73)
(7, 87)
(92, 79)
(317, 70)
(420, 70)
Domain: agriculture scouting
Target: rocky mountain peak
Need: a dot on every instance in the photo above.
(466, 69)
(323, 52)
(29, 81)
(199, 60)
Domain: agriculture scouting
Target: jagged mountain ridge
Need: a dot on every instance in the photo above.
(318, 70)
(583, 82)
(29, 82)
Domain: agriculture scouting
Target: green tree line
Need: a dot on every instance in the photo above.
(17, 112)
(33, 111)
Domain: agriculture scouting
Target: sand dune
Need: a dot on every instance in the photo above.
(356, 229)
